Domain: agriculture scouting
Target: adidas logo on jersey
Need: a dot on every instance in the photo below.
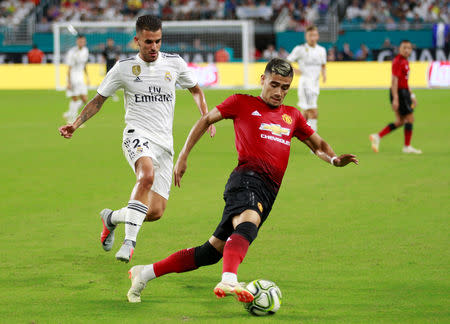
(256, 113)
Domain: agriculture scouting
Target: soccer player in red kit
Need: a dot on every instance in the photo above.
(264, 128)
(402, 100)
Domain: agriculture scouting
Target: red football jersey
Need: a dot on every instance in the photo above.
(263, 134)
(400, 69)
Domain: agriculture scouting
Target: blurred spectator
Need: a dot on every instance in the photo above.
(417, 22)
(353, 11)
(444, 16)
(150, 7)
(403, 24)
(35, 55)
(322, 7)
(297, 23)
(347, 54)
(221, 56)
(277, 5)
(270, 52)
(230, 9)
(390, 24)
(331, 54)
(397, 14)
(167, 11)
(248, 9)
(12, 12)
(387, 44)
(197, 44)
(124, 10)
(282, 53)
(311, 13)
(362, 54)
(257, 55)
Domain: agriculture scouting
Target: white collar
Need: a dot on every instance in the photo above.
(140, 60)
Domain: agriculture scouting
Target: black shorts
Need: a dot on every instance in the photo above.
(244, 190)
(404, 101)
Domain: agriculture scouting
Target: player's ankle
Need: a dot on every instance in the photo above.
(229, 277)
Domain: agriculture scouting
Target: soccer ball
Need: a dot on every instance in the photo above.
(267, 298)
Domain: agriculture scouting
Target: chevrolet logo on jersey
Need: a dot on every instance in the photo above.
(275, 129)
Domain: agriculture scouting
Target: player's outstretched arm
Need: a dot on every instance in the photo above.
(324, 73)
(195, 134)
(394, 91)
(89, 110)
(200, 101)
(87, 75)
(69, 83)
(324, 151)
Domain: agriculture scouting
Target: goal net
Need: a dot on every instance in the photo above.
(197, 42)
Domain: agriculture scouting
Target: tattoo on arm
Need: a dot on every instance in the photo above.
(92, 108)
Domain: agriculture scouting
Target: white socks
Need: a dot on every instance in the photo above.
(135, 215)
(148, 273)
(313, 124)
(118, 216)
(72, 113)
(229, 277)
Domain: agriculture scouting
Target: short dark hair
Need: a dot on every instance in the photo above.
(405, 41)
(80, 36)
(148, 22)
(310, 28)
(279, 66)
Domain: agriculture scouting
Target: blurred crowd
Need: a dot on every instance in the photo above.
(397, 14)
(346, 54)
(13, 11)
(303, 12)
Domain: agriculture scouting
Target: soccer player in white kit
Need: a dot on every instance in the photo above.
(76, 59)
(148, 80)
(311, 59)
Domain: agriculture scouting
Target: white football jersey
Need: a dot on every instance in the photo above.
(310, 61)
(149, 93)
(77, 58)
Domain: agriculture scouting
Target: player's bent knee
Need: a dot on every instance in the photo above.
(248, 230)
(154, 215)
(206, 254)
(146, 182)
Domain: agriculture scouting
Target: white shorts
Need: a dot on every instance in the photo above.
(78, 88)
(136, 145)
(307, 98)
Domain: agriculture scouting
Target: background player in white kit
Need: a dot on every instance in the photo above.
(311, 59)
(76, 59)
(148, 80)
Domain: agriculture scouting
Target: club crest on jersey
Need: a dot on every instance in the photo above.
(136, 69)
(168, 76)
(275, 129)
(287, 119)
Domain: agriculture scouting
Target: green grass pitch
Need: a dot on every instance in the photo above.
(361, 244)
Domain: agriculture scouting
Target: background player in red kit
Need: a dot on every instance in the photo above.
(264, 128)
(403, 101)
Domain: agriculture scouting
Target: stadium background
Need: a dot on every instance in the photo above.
(361, 244)
(360, 31)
